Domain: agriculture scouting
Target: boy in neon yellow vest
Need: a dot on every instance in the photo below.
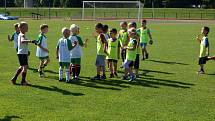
(113, 52)
(204, 50)
(145, 35)
(137, 60)
(101, 53)
(123, 39)
(130, 55)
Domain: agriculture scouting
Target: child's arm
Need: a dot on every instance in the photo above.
(104, 41)
(119, 46)
(199, 38)
(24, 40)
(71, 45)
(10, 38)
(150, 37)
(133, 47)
(207, 46)
(85, 42)
(95, 35)
(57, 51)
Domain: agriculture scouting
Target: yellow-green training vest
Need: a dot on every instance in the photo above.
(144, 37)
(100, 46)
(131, 54)
(113, 49)
(123, 37)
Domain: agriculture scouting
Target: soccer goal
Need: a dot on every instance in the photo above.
(96, 10)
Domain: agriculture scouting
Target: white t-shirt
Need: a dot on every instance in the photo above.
(42, 42)
(22, 47)
(76, 52)
(64, 45)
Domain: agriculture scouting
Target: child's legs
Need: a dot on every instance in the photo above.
(100, 64)
(127, 65)
(123, 54)
(137, 64)
(67, 71)
(111, 66)
(61, 72)
(46, 61)
(115, 66)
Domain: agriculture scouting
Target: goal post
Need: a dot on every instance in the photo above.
(111, 10)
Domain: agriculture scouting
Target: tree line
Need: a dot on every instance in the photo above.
(147, 3)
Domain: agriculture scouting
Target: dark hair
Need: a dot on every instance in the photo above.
(113, 30)
(124, 23)
(143, 21)
(206, 29)
(105, 28)
(133, 24)
(99, 25)
(43, 26)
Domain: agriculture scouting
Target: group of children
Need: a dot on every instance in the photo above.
(128, 42)
(68, 51)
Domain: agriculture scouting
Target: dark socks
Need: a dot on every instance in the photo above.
(18, 71)
(78, 70)
(73, 71)
(24, 76)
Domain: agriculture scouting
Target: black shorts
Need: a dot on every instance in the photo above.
(23, 59)
(203, 60)
(137, 62)
(112, 60)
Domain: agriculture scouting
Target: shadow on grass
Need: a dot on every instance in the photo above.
(168, 62)
(145, 71)
(9, 118)
(48, 71)
(56, 89)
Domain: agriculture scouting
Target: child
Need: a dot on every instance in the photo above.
(204, 49)
(15, 35)
(63, 53)
(137, 60)
(22, 54)
(101, 52)
(42, 50)
(76, 52)
(123, 39)
(145, 35)
(105, 30)
(130, 55)
(113, 50)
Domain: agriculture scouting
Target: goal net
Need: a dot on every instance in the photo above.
(96, 10)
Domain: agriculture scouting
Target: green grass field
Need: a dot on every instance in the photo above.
(169, 88)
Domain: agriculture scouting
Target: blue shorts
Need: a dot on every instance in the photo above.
(143, 45)
(128, 63)
(100, 60)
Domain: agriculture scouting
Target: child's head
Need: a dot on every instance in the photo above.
(105, 28)
(99, 28)
(74, 29)
(113, 33)
(44, 28)
(143, 23)
(205, 30)
(16, 27)
(66, 32)
(123, 25)
(132, 32)
(23, 27)
(132, 25)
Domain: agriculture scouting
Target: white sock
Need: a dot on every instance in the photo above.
(60, 73)
(67, 75)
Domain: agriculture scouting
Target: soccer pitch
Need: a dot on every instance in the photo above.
(169, 88)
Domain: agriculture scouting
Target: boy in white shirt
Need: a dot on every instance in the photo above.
(63, 49)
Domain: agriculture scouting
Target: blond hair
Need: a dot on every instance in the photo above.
(22, 24)
(74, 28)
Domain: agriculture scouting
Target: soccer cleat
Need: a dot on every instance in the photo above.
(200, 72)
(143, 58)
(96, 78)
(125, 78)
(147, 55)
(60, 80)
(103, 77)
(111, 75)
(132, 79)
(13, 80)
(25, 83)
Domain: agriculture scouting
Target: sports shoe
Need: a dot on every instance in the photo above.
(13, 80)
(132, 79)
(125, 78)
(200, 72)
(143, 59)
(96, 77)
(103, 77)
(25, 83)
(111, 75)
